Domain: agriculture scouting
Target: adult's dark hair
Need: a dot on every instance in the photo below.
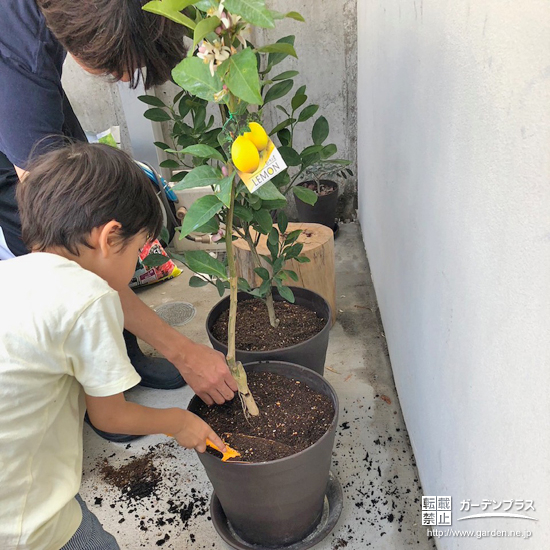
(76, 188)
(117, 37)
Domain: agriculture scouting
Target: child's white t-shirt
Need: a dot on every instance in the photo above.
(60, 336)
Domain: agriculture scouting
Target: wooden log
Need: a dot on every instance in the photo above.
(317, 275)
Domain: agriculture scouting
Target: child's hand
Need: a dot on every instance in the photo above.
(195, 432)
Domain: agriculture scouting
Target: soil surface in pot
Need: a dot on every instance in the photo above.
(324, 189)
(292, 418)
(254, 333)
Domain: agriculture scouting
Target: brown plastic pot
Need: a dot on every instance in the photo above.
(323, 211)
(275, 504)
(310, 354)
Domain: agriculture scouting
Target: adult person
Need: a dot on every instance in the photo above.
(106, 37)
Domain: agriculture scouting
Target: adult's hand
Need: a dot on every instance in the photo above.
(203, 368)
(206, 371)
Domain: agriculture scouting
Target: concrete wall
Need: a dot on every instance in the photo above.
(454, 202)
(326, 45)
(95, 100)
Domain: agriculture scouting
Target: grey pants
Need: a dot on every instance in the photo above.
(90, 534)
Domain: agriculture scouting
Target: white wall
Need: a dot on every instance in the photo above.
(454, 198)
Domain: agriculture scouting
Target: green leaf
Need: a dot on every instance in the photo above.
(156, 114)
(285, 76)
(204, 27)
(264, 221)
(223, 189)
(166, 9)
(294, 251)
(278, 47)
(243, 213)
(276, 58)
(285, 292)
(203, 151)
(179, 176)
(201, 211)
(268, 191)
(281, 108)
(292, 236)
(305, 195)
(290, 156)
(308, 160)
(328, 151)
(169, 163)
(263, 273)
(273, 248)
(162, 145)
(211, 226)
(282, 221)
(253, 11)
(274, 205)
(241, 76)
(298, 100)
(205, 5)
(281, 125)
(311, 150)
(278, 264)
(164, 235)
(320, 130)
(197, 282)
(151, 100)
(242, 284)
(200, 261)
(302, 259)
(295, 15)
(202, 176)
(193, 75)
(267, 258)
(284, 137)
(278, 90)
(307, 112)
(292, 274)
(155, 260)
(273, 237)
(221, 287)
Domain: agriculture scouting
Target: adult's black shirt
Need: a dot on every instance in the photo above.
(34, 110)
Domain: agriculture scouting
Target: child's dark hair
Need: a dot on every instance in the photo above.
(73, 189)
(117, 37)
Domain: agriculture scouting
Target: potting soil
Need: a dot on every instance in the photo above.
(254, 332)
(292, 418)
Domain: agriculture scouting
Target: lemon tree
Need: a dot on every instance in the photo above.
(224, 70)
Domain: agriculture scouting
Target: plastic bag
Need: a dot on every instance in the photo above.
(145, 275)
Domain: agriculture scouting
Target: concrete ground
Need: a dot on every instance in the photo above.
(372, 459)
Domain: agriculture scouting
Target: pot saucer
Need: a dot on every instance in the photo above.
(331, 512)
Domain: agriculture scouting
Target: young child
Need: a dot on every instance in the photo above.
(86, 211)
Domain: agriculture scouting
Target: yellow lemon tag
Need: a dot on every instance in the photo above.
(256, 158)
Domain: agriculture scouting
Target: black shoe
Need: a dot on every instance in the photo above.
(115, 438)
(155, 372)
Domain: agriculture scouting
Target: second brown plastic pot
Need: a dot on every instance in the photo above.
(310, 354)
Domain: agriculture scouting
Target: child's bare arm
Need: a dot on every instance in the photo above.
(114, 414)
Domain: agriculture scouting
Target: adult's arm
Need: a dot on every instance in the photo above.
(203, 368)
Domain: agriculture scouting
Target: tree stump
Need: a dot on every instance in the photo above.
(317, 275)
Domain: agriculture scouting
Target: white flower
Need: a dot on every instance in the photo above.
(214, 54)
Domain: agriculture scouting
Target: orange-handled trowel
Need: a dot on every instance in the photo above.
(229, 452)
